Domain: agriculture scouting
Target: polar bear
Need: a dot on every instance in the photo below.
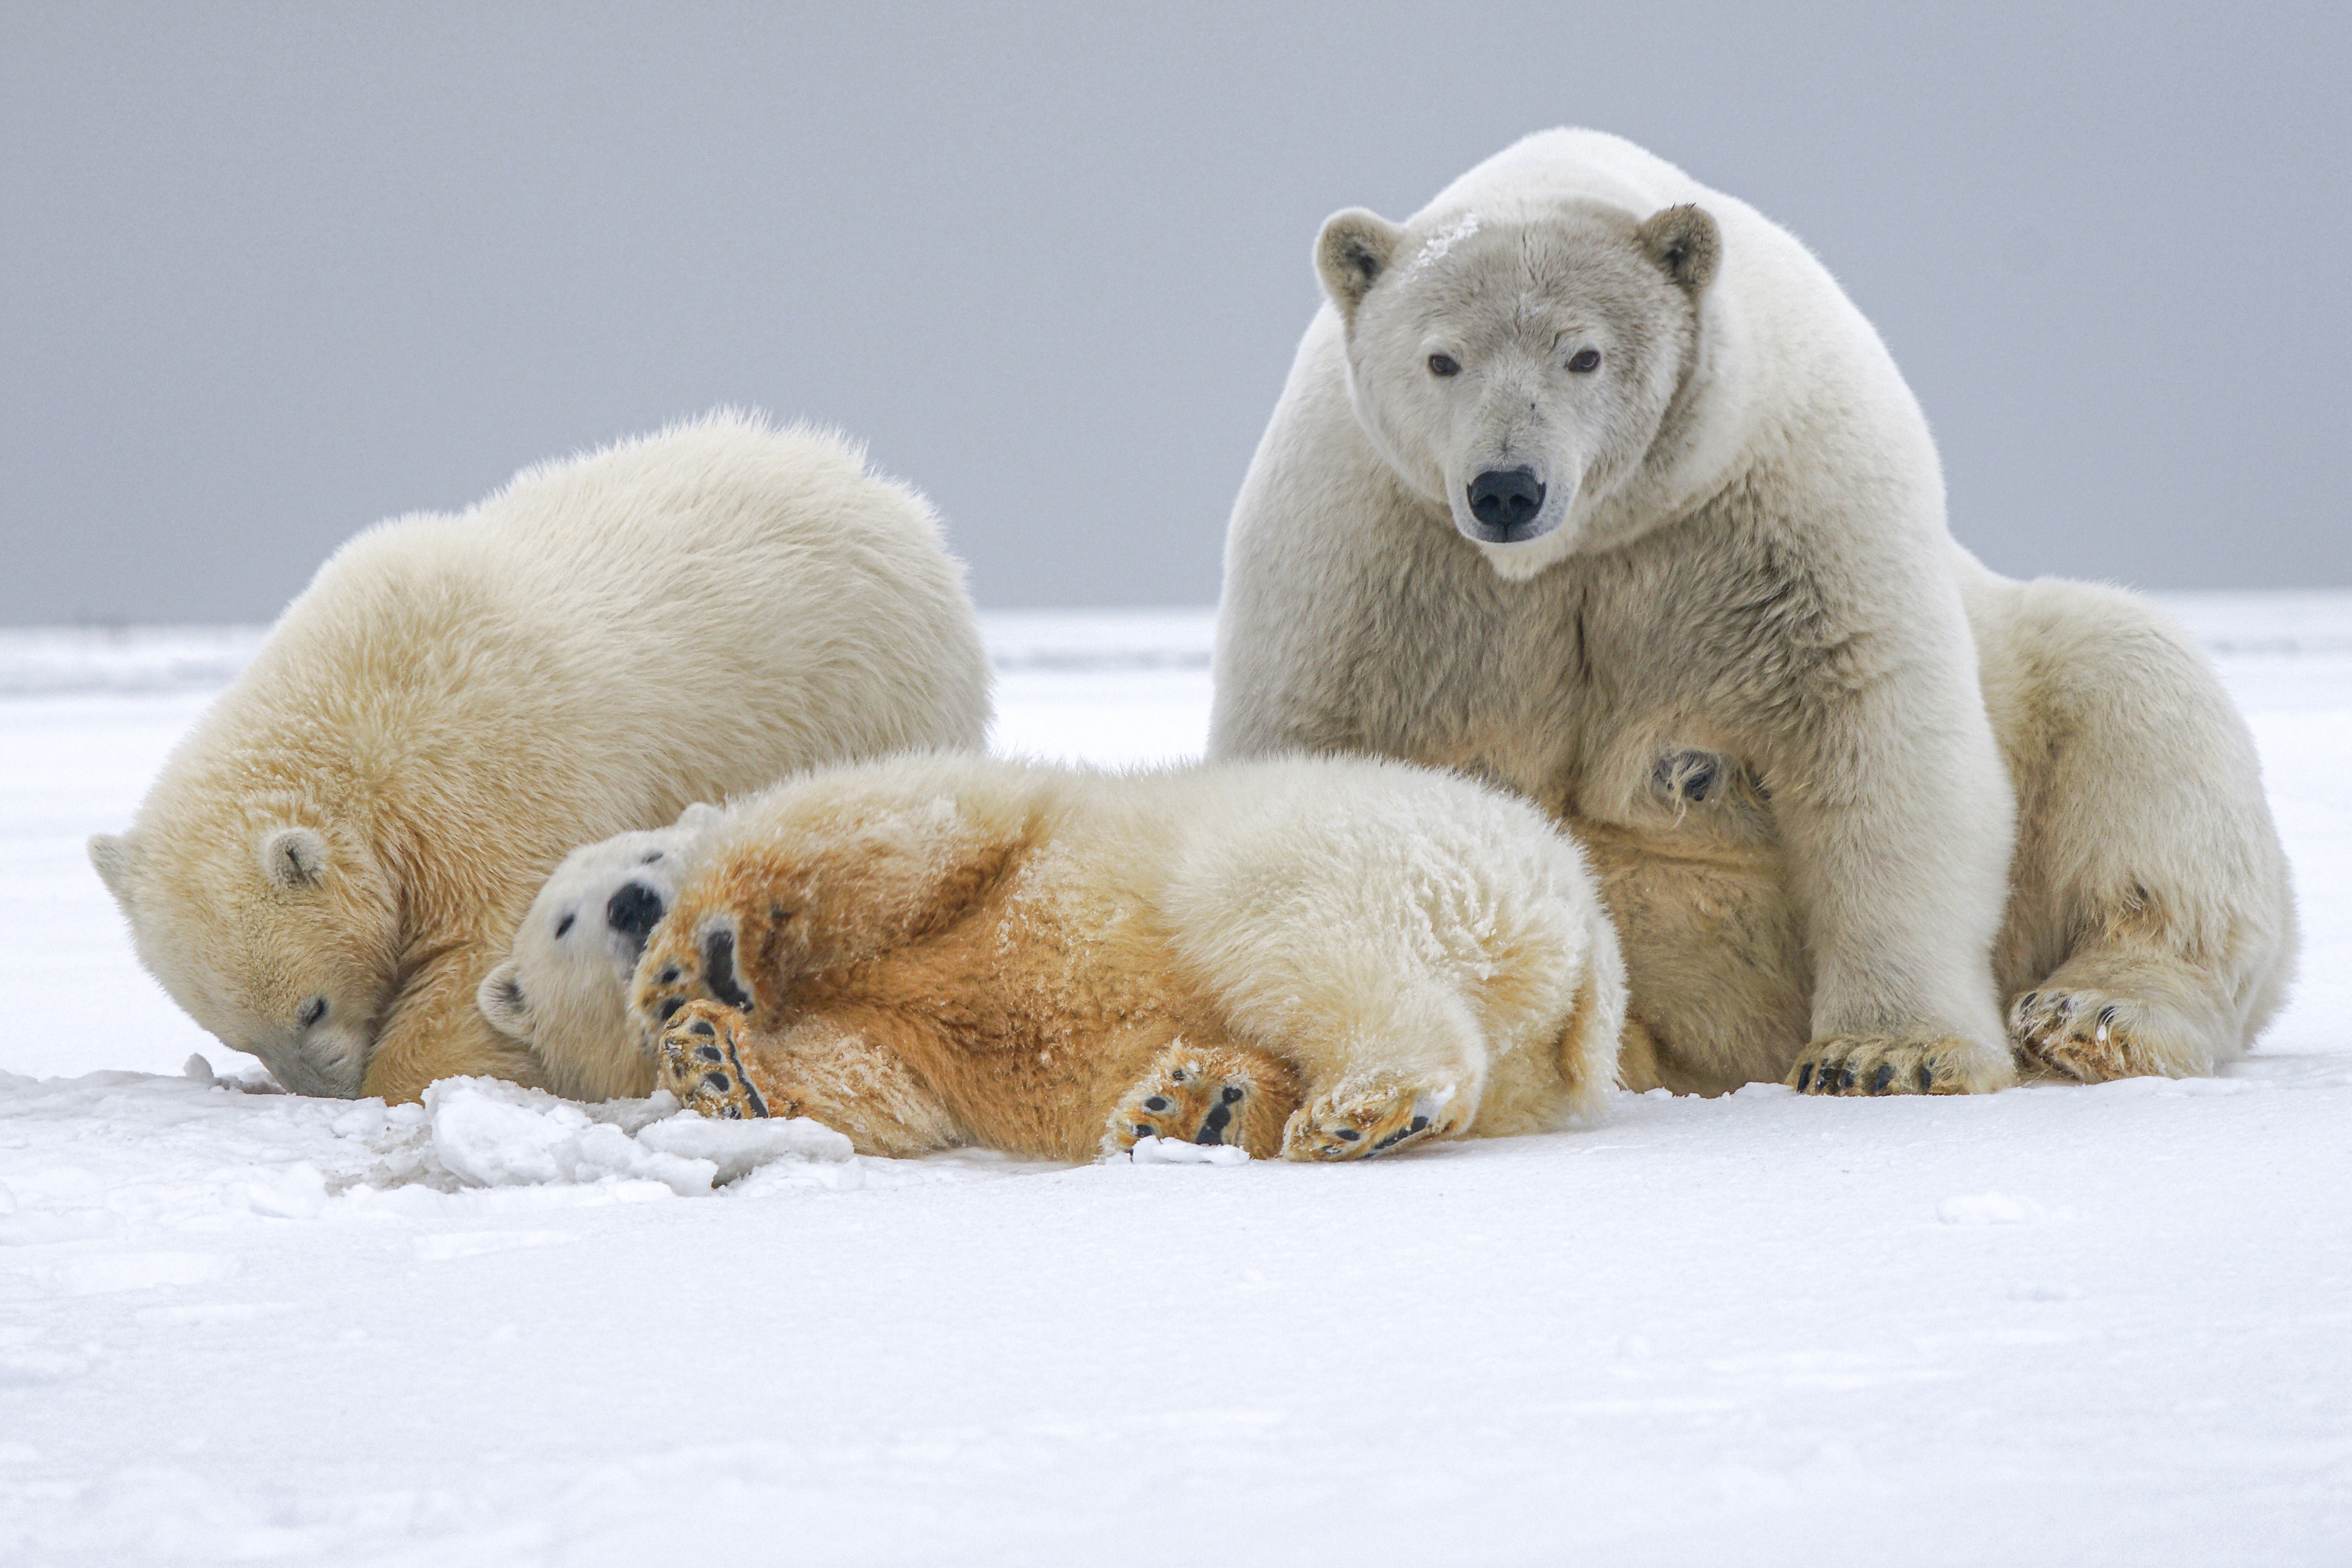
(1325, 959)
(563, 988)
(1589, 481)
(333, 858)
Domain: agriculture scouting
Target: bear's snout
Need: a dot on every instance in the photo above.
(634, 912)
(1506, 499)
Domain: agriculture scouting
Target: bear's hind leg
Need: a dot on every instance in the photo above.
(2151, 925)
(1369, 1115)
(1211, 1094)
(2107, 1014)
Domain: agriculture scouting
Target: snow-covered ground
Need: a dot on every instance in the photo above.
(2054, 1325)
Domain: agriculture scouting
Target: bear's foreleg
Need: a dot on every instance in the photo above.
(436, 1030)
(1897, 821)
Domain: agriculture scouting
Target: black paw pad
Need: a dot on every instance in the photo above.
(709, 1054)
(1883, 1080)
(1232, 1094)
(718, 1080)
(1346, 1134)
(1927, 1079)
(702, 1027)
(670, 1005)
(1157, 1102)
(718, 970)
(1804, 1078)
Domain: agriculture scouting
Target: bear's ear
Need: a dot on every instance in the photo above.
(501, 1000)
(113, 857)
(698, 817)
(294, 857)
(1685, 244)
(1352, 253)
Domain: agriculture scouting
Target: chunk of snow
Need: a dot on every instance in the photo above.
(1176, 1151)
(492, 1135)
(739, 1148)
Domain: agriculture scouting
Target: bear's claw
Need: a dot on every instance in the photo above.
(700, 1064)
(1212, 1095)
(1864, 1064)
(1363, 1121)
(2091, 1036)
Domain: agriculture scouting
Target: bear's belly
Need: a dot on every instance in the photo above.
(1715, 963)
(1689, 858)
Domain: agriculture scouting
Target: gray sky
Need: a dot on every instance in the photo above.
(269, 274)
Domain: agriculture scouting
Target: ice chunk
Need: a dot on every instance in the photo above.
(1176, 1151)
(493, 1134)
(737, 1148)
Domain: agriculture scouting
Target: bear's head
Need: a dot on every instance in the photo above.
(563, 988)
(273, 925)
(1520, 371)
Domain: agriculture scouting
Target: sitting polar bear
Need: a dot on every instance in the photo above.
(339, 851)
(1589, 481)
(1324, 958)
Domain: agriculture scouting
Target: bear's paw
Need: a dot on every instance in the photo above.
(1213, 1095)
(702, 1064)
(2096, 1037)
(1877, 1064)
(1365, 1118)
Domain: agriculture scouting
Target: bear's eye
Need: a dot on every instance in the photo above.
(562, 926)
(1444, 364)
(1585, 361)
(312, 1011)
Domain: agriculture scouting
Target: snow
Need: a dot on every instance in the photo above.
(2054, 1325)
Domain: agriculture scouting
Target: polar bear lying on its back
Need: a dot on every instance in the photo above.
(1324, 959)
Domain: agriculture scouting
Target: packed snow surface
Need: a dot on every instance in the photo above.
(2055, 1325)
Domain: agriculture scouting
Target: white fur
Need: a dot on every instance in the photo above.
(563, 988)
(1742, 556)
(456, 701)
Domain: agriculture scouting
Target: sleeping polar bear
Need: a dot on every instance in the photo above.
(1589, 481)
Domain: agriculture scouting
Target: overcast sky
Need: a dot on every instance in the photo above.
(269, 274)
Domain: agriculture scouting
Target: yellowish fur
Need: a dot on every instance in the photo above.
(946, 950)
(336, 855)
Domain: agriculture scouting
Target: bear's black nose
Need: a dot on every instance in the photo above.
(634, 912)
(1506, 498)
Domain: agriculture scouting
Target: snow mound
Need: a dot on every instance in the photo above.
(488, 1134)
